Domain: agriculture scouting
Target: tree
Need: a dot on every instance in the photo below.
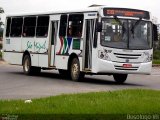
(1, 23)
(1, 11)
(158, 41)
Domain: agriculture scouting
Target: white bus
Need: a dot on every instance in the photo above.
(95, 41)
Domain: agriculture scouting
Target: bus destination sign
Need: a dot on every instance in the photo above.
(126, 12)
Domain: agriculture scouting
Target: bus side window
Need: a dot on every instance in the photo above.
(29, 26)
(75, 25)
(16, 27)
(63, 25)
(42, 26)
(8, 27)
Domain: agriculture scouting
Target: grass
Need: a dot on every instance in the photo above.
(117, 102)
(156, 61)
(156, 57)
(156, 54)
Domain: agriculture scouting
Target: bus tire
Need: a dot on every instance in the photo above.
(120, 78)
(27, 69)
(75, 73)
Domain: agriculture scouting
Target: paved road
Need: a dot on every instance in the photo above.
(15, 85)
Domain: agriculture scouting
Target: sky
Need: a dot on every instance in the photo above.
(29, 6)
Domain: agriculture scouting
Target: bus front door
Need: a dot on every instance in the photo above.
(54, 28)
(88, 42)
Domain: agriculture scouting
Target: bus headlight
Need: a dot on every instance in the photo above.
(147, 57)
(103, 55)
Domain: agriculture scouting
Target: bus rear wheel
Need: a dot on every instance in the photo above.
(27, 68)
(75, 73)
(120, 78)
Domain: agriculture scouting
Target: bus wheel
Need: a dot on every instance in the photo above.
(27, 69)
(120, 78)
(75, 73)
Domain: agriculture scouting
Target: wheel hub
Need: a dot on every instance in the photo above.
(26, 65)
(75, 70)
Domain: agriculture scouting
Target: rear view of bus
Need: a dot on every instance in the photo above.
(125, 38)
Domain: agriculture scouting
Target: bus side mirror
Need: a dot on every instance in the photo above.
(99, 27)
(155, 32)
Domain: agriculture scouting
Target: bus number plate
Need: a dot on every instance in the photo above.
(127, 65)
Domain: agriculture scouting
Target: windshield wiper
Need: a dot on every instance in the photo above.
(135, 25)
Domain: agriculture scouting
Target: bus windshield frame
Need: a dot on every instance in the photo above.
(129, 34)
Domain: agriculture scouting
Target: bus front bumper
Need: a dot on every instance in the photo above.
(110, 67)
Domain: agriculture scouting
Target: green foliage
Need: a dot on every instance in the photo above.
(0, 54)
(1, 11)
(1, 33)
(156, 61)
(156, 55)
(121, 102)
(0, 51)
(0, 46)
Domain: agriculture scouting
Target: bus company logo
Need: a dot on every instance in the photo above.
(107, 51)
(91, 14)
(127, 60)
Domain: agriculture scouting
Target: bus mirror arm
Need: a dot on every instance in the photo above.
(99, 27)
(155, 32)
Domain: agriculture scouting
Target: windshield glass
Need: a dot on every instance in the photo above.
(126, 34)
(140, 35)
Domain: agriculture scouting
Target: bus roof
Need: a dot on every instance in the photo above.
(92, 8)
(89, 9)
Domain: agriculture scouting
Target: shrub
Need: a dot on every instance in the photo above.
(0, 46)
(156, 54)
(0, 51)
(0, 54)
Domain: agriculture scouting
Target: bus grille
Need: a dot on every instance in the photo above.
(127, 56)
(129, 69)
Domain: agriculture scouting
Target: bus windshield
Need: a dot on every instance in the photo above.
(126, 34)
